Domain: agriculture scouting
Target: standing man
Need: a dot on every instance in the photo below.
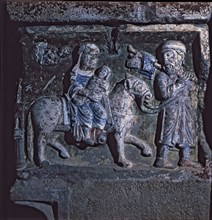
(176, 121)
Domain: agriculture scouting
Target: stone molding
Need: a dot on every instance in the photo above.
(108, 12)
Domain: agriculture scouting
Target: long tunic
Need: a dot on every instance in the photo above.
(176, 122)
(97, 92)
(84, 113)
(81, 112)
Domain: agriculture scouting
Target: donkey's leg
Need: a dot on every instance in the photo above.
(41, 143)
(53, 142)
(146, 150)
(122, 160)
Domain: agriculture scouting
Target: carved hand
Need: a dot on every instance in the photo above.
(83, 92)
(180, 83)
(147, 99)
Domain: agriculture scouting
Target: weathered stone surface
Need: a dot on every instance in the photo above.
(52, 78)
(109, 12)
(114, 193)
(88, 185)
(183, 12)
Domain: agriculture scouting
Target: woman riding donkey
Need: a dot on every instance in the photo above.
(86, 92)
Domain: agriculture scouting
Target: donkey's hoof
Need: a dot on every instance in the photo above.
(147, 152)
(125, 163)
(44, 163)
(65, 154)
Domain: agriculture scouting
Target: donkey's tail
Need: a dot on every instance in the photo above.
(30, 137)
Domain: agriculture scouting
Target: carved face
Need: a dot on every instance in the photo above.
(89, 61)
(104, 72)
(172, 60)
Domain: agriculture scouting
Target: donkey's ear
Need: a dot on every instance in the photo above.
(130, 49)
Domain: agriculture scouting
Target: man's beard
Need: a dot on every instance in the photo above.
(170, 68)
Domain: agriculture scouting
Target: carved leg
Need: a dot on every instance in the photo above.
(146, 150)
(185, 160)
(87, 136)
(122, 161)
(41, 148)
(161, 160)
(58, 146)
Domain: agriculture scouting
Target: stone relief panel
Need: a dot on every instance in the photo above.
(96, 95)
(109, 109)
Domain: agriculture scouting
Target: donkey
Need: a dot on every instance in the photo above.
(49, 114)
(122, 99)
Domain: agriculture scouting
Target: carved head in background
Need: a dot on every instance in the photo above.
(173, 53)
(88, 56)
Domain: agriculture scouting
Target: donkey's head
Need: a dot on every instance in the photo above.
(137, 87)
(145, 63)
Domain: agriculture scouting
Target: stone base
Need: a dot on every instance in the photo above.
(147, 193)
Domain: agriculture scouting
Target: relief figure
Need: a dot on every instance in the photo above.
(176, 121)
(96, 93)
(82, 116)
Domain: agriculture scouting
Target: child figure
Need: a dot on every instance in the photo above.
(98, 85)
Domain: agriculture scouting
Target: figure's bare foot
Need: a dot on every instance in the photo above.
(163, 163)
(188, 163)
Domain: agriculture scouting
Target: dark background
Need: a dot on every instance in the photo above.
(11, 68)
